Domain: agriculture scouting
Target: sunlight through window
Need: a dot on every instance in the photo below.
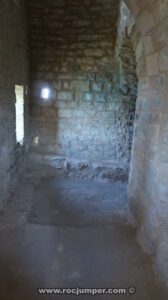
(19, 106)
(45, 93)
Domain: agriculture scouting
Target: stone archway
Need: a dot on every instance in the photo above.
(148, 192)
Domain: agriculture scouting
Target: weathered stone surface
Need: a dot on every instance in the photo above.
(65, 96)
(139, 50)
(145, 22)
(148, 45)
(94, 106)
(148, 185)
(94, 52)
(152, 64)
(97, 86)
(87, 96)
(163, 59)
(14, 71)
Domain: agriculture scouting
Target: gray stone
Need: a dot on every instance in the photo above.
(97, 86)
(163, 59)
(87, 97)
(67, 96)
(100, 97)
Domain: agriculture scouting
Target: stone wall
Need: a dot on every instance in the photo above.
(90, 113)
(148, 190)
(126, 46)
(14, 67)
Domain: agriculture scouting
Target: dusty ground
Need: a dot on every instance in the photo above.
(65, 232)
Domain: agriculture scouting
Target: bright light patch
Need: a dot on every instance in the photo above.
(36, 140)
(45, 93)
(19, 110)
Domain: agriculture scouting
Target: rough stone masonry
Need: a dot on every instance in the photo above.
(14, 71)
(90, 114)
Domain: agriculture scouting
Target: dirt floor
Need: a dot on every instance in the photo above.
(61, 232)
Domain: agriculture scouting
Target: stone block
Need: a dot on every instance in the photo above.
(94, 52)
(88, 37)
(155, 117)
(145, 22)
(81, 23)
(139, 50)
(163, 156)
(86, 60)
(97, 86)
(80, 85)
(148, 45)
(78, 114)
(64, 113)
(152, 64)
(153, 134)
(133, 6)
(163, 59)
(108, 87)
(165, 140)
(100, 97)
(156, 102)
(66, 96)
(87, 97)
(65, 85)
